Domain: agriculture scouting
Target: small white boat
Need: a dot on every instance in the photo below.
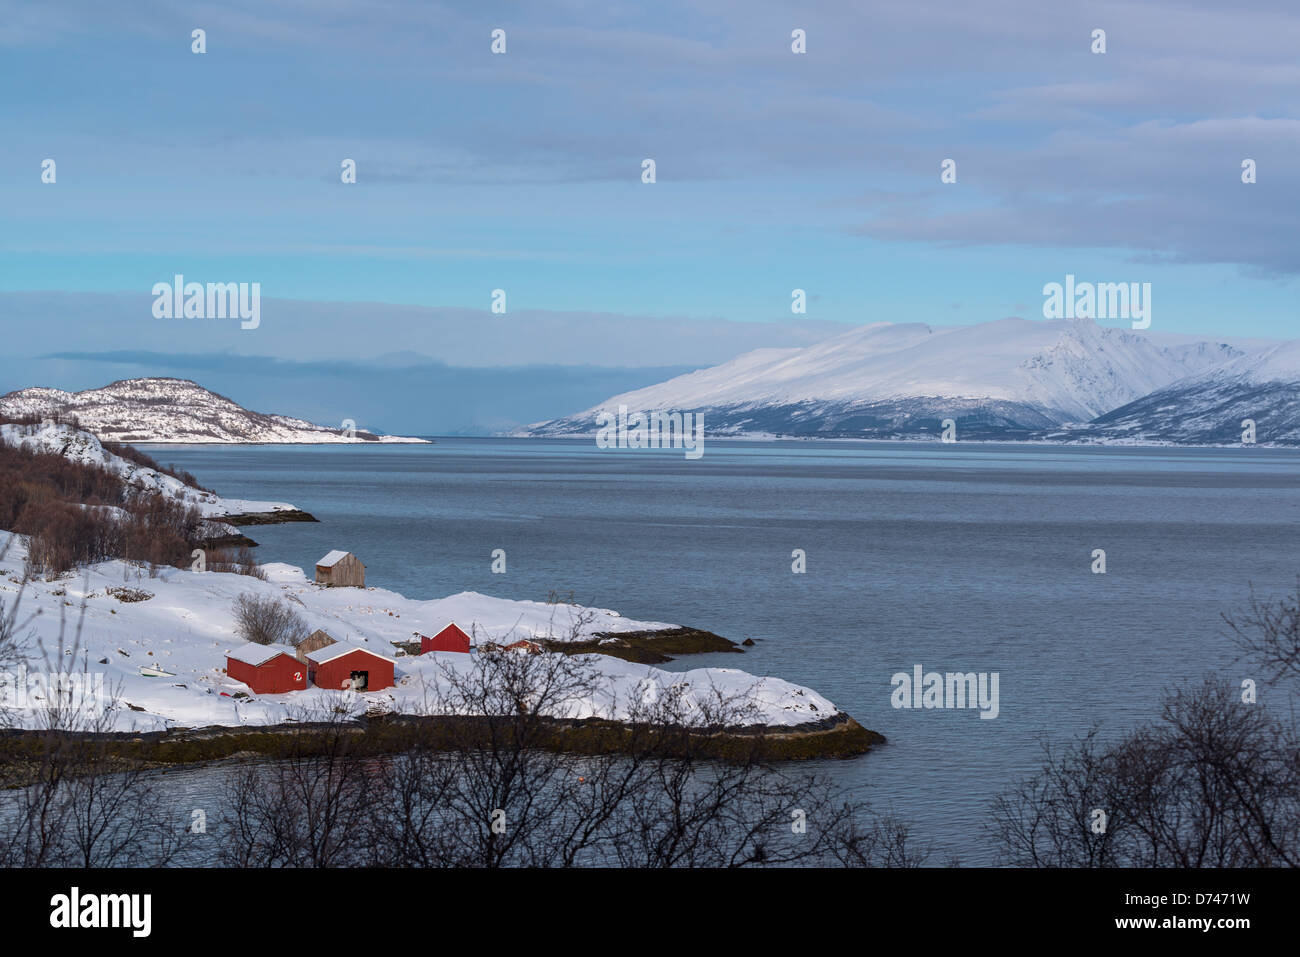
(153, 671)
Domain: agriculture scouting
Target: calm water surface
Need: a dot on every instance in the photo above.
(956, 557)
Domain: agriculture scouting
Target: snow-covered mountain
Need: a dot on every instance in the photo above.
(1010, 378)
(174, 410)
(1210, 408)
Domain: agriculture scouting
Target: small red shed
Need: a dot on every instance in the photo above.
(267, 669)
(450, 638)
(345, 665)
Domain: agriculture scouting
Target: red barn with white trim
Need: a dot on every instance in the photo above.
(450, 638)
(361, 668)
(267, 669)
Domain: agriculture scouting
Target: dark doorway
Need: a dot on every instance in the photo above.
(359, 680)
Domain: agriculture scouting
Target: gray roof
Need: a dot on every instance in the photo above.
(255, 654)
(321, 655)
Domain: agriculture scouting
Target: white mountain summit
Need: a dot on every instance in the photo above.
(1007, 378)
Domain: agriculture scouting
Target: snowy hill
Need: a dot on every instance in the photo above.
(1209, 409)
(1006, 378)
(173, 410)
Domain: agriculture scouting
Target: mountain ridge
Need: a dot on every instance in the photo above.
(1012, 379)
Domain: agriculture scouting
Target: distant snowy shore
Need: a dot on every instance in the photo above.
(180, 411)
(921, 439)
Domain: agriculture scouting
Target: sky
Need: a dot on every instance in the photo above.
(522, 171)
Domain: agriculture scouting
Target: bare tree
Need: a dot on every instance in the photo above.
(1268, 633)
(1212, 782)
(267, 620)
(308, 805)
(72, 800)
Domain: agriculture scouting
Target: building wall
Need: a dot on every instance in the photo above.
(333, 673)
(348, 572)
(449, 639)
(276, 676)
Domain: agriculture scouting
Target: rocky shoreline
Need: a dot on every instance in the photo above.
(838, 736)
(648, 647)
(268, 518)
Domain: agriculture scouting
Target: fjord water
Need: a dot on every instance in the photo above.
(962, 557)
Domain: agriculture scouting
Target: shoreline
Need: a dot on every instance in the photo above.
(281, 517)
(649, 647)
(922, 439)
(839, 736)
(396, 440)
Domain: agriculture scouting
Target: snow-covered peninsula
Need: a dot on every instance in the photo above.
(155, 638)
(162, 410)
(121, 618)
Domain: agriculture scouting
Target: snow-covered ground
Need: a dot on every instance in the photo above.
(186, 626)
(79, 445)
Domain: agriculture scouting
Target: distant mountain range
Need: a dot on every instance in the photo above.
(1012, 379)
(174, 411)
(1209, 408)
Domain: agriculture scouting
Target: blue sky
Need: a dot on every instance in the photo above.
(522, 171)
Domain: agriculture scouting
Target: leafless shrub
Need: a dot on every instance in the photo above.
(303, 808)
(1268, 633)
(1212, 782)
(237, 562)
(267, 620)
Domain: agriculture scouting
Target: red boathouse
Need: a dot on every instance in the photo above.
(450, 638)
(345, 665)
(267, 669)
